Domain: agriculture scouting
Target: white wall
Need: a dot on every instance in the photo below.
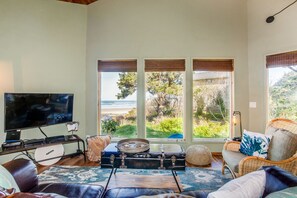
(264, 39)
(167, 29)
(43, 49)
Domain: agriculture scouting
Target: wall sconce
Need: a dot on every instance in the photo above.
(72, 127)
(270, 19)
(236, 120)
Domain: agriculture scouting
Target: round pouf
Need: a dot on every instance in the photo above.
(198, 155)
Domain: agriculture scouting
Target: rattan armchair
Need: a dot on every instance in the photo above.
(241, 164)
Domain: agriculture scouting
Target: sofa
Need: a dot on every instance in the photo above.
(260, 183)
(24, 172)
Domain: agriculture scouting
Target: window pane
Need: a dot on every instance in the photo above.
(164, 104)
(118, 104)
(283, 92)
(211, 104)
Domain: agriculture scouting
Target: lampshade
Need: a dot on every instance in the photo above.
(237, 120)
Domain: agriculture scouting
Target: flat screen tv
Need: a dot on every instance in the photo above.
(32, 110)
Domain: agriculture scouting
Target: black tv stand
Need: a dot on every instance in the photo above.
(54, 139)
(37, 143)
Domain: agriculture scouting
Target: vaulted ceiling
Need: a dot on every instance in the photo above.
(85, 2)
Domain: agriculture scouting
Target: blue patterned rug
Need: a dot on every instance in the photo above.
(203, 179)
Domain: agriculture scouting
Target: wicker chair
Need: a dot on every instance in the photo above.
(239, 164)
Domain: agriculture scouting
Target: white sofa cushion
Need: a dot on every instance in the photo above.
(247, 186)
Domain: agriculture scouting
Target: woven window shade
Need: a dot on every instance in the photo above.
(213, 65)
(165, 65)
(282, 60)
(117, 65)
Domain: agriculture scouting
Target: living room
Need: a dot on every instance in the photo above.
(54, 47)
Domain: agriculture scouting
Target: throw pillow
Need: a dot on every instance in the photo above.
(283, 145)
(286, 193)
(96, 145)
(249, 185)
(255, 144)
(277, 179)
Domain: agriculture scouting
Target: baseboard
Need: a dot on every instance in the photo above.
(216, 153)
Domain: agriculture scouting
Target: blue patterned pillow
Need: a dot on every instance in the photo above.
(255, 144)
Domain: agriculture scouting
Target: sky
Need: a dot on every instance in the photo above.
(276, 73)
(109, 86)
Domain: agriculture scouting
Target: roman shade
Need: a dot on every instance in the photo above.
(159, 65)
(117, 65)
(286, 59)
(213, 65)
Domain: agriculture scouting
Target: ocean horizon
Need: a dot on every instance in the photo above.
(117, 104)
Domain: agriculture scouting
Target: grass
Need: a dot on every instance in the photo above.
(206, 130)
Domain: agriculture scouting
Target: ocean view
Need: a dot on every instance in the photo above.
(118, 104)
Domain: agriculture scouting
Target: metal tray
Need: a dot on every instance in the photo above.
(133, 145)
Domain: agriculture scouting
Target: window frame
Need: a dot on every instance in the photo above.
(215, 65)
(277, 60)
(114, 65)
(166, 65)
(187, 102)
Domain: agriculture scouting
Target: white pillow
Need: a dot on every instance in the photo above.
(7, 181)
(247, 186)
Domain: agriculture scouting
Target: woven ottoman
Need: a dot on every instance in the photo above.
(198, 155)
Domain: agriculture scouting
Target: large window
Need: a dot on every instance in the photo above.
(282, 85)
(164, 98)
(117, 93)
(212, 80)
(166, 114)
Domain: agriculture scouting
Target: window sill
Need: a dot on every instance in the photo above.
(196, 140)
(210, 140)
(155, 140)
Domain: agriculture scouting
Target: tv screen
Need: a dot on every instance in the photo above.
(29, 110)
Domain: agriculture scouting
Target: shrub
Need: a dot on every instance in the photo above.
(211, 130)
(131, 115)
(108, 125)
(171, 125)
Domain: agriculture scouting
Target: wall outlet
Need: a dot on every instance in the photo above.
(253, 105)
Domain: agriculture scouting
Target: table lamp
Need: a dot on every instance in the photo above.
(237, 114)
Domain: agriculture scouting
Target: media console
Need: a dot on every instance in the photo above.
(25, 146)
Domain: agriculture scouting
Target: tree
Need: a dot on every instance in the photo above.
(283, 97)
(164, 89)
(127, 84)
(210, 103)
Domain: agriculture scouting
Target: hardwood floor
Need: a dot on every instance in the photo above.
(79, 161)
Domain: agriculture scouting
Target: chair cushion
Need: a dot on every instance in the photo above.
(255, 144)
(283, 145)
(232, 158)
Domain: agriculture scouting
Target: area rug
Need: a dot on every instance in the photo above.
(201, 179)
